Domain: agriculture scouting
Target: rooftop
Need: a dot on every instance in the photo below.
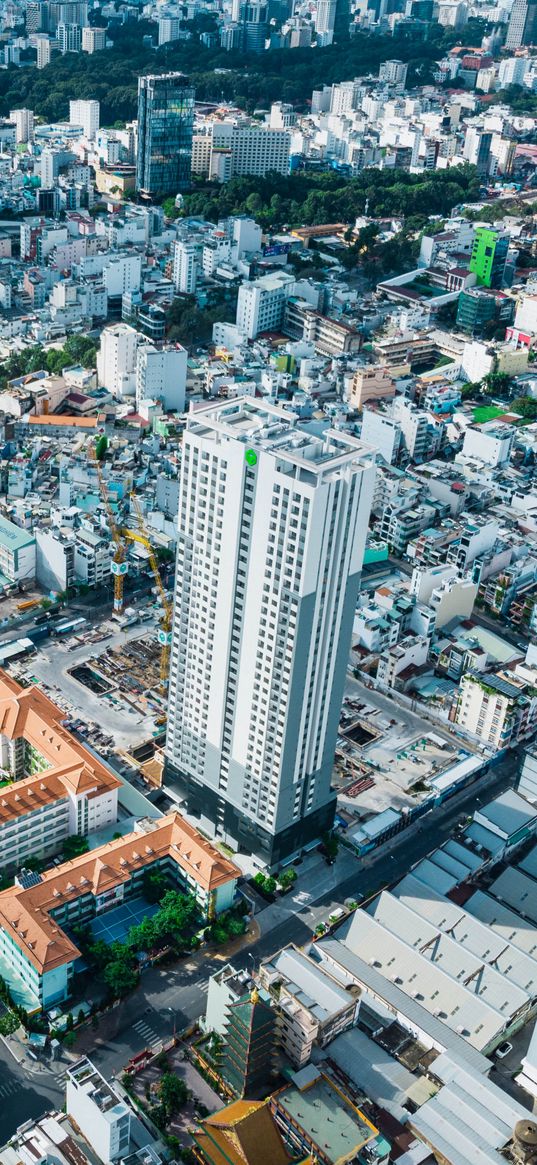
(13, 537)
(26, 914)
(330, 1122)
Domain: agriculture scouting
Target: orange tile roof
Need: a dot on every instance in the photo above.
(244, 1133)
(29, 713)
(25, 914)
(51, 419)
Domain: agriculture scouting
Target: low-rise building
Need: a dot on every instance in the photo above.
(102, 1116)
(37, 955)
(312, 1007)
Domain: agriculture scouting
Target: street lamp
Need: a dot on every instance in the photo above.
(173, 1012)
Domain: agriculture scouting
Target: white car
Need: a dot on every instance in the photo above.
(503, 1050)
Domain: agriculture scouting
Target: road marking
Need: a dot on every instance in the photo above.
(9, 1089)
(147, 1033)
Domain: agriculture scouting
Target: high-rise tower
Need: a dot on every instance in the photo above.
(165, 124)
(272, 527)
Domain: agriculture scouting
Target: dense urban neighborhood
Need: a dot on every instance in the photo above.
(268, 582)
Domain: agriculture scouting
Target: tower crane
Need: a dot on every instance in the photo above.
(165, 630)
(119, 565)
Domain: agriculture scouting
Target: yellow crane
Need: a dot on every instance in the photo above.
(165, 630)
(119, 565)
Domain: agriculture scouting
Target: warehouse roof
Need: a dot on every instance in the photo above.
(399, 1002)
(14, 537)
(503, 921)
(469, 1120)
(517, 890)
(471, 999)
(508, 812)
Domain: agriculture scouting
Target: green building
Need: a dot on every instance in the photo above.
(249, 1047)
(489, 253)
(481, 310)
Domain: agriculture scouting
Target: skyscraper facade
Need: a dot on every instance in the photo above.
(522, 27)
(272, 527)
(165, 125)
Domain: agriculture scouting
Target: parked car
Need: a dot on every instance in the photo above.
(503, 1050)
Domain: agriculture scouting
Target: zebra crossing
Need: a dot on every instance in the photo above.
(150, 1038)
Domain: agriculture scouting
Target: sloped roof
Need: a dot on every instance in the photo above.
(25, 913)
(244, 1133)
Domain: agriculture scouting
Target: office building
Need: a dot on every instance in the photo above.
(86, 114)
(24, 124)
(253, 21)
(42, 44)
(165, 121)
(481, 311)
(161, 375)
(102, 1116)
(476, 150)
(185, 266)
(226, 148)
(93, 40)
(169, 28)
(522, 27)
(69, 38)
(489, 254)
(272, 525)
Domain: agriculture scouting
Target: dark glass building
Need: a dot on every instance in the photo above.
(165, 121)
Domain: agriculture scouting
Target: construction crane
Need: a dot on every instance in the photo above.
(119, 565)
(165, 630)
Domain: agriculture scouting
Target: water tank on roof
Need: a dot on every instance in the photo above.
(525, 1141)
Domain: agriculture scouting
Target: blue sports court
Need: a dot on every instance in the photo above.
(114, 925)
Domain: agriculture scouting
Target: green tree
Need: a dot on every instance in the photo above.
(101, 447)
(74, 846)
(173, 1094)
(120, 977)
(154, 885)
(497, 383)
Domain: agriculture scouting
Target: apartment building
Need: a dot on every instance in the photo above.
(371, 383)
(101, 1114)
(37, 956)
(261, 304)
(312, 1007)
(272, 525)
(17, 552)
(498, 708)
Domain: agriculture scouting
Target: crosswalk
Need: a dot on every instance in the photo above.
(150, 1038)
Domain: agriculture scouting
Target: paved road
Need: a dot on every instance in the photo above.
(178, 994)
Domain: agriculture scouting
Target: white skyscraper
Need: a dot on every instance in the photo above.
(185, 268)
(325, 21)
(271, 534)
(87, 115)
(116, 359)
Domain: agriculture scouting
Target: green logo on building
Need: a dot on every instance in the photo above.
(251, 457)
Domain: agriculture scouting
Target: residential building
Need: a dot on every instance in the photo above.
(272, 526)
(496, 709)
(489, 443)
(261, 304)
(312, 1007)
(69, 38)
(101, 1114)
(24, 124)
(17, 553)
(165, 121)
(316, 1117)
(161, 375)
(325, 19)
(116, 359)
(185, 266)
(383, 433)
(489, 253)
(93, 39)
(87, 115)
(43, 49)
(373, 382)
(38, 958)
